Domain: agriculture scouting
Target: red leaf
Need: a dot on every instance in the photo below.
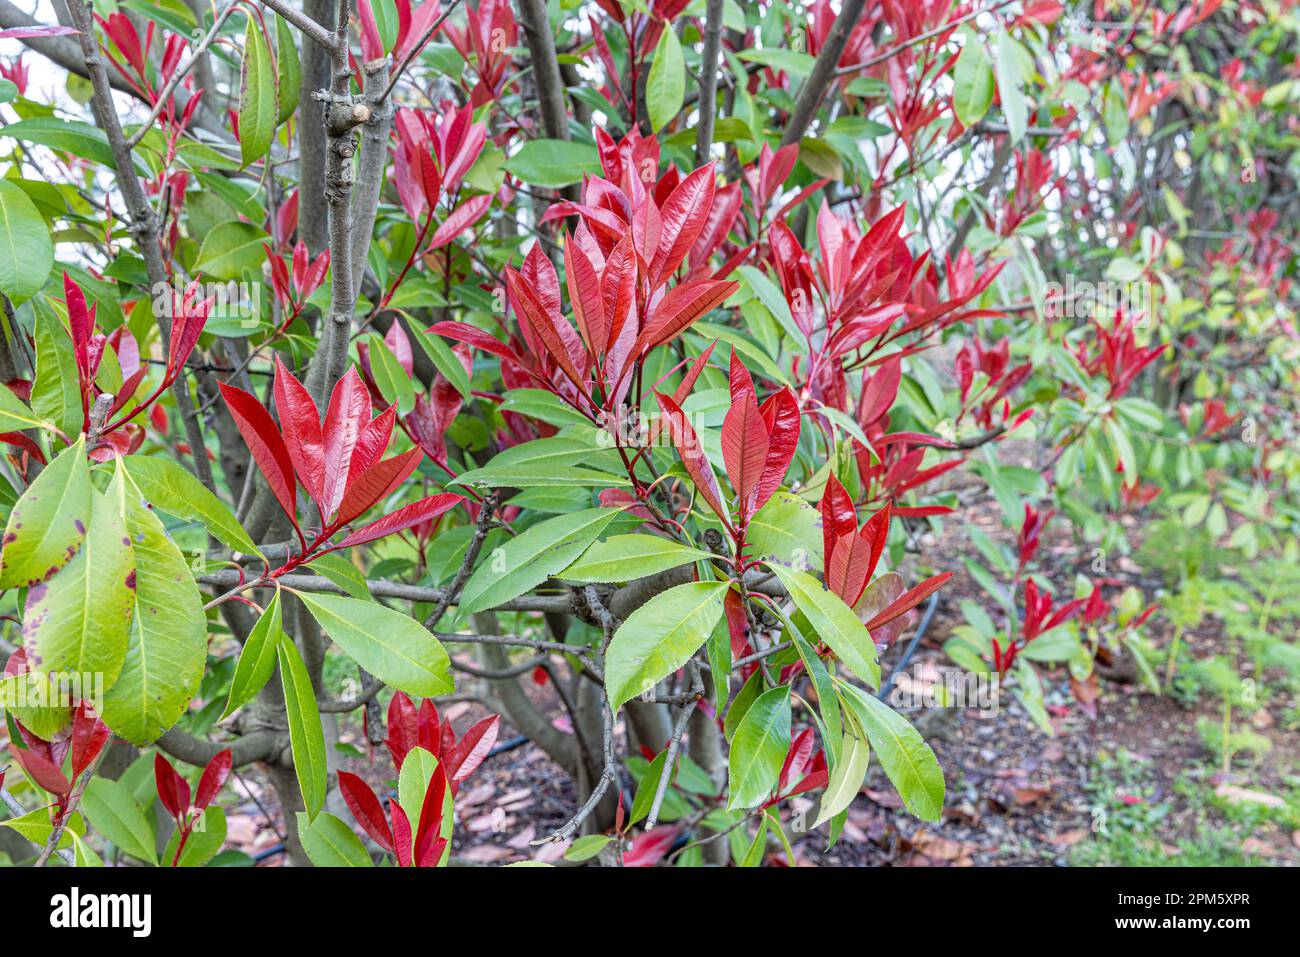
(879, 392)
(300, 426)
(875, 533)
(542, 323)
(426, 832)
(42, 770)
(460, 219)
(266, 445)
(476, 337)
(692, 454)
(650, 847)
(682, 217)
(618, 291)
(375, 482)
(173, 790)
(403, 518)
(584, 296)
(909, 600)
(781, 416)
(365, 807)
(680, 307)
(372, 442)
(81, 322)
(839, 517)
(737, 623)
(429, 728)
(744, 448)
(403, 728)
(348, 412)
(213, 778)
(471, 750)
(89, 735)
(401, 835)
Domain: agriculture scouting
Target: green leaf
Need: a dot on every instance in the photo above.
(553, 164)
(168, 644)
(587, 847)
(446, 362)
(231, 248)
(331, 843)
(69, 136)
(56, 392)
(906, 758)
(288, 73)
(393, 382)
(793, 62)
(537, 476)
(48, 524)
(83, 854)
(258, 98)
(77, 622)
(36, 827)
(540, 404)
(659, 637)
(758, 847)
(257, 658)
(759, 748)
(306, 736)
(167, 485)
(388, 644)
(344, 574)
(666, 86)
(834, 622)
(788, 530)
(115, 813)
(846, 776)
(385, 13)
(527, 560)
(26, 250)
(972, 93)
(621, 558)
(646, 789)
(1007, 69)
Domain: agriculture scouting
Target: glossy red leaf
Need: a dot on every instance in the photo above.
(403, 518)
(909, 600)
(839, 517)
(89, 735)
(618, 292)
(780, 414)
(429, 728)
(737, 623)
(213, 779)
(301, 428)
(584, 296)
(265, 444)
(372, 443)
(42, 770)
(365, 807)
(460, 219)
(650, 847)
(682, 217)
(375, 482)
(173, 790)
(403, 727)
(542, 323)
(402, 842)
(744, 448)
(692, 455)
(81, 323)
(426, 832)
(476, 337)
(680, 307)
(472, 749)
(348, 413)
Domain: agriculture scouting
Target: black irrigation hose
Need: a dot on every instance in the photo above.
(888, 684)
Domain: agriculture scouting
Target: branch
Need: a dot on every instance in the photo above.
(16, 810)
(481, 529)
(546, 67)
(309, 27)
(823, 73)
(609, 773)
(697, 693)
(919, 38)
(374, 154)
(708, 80)
(140, 214)
(179, 74)
(255, 746)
